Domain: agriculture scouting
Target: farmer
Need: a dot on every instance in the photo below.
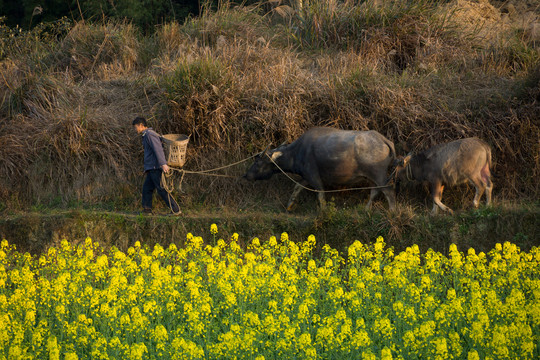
(154, 166)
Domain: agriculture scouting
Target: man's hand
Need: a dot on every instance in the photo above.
(165, 168)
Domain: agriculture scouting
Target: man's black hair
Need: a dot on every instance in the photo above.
(139, 120)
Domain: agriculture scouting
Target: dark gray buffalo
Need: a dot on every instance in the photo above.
(450, 164)
(328, 157)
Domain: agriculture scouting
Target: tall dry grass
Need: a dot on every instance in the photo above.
(238, 79)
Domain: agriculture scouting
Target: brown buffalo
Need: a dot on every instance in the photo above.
(450, 164)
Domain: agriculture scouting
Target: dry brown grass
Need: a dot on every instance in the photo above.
(230, 80)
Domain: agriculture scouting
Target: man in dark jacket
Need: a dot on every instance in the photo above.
(154, 166)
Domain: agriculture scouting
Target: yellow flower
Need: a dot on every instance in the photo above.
(404, 309)
(368, 355)
(303, 311)
(272, 304)
(53, 348)
(426, 282)
(386, 354)
(338, 294)
(60, 309)
(138, 350)
(235, 248)
(269, 325)
(441, 348)
(206, 309)
(88, 242)
(311, 241)
(361, 338)
(71, 356)
(102, 261)
(15, 352)
(213, 229)
(473, 355)
(250, 257)
(384, 327)
(149, 306)
(160, 333)
(158, 251)
(216, 251)
(30, 317)
(328, 264)
(304, 340)
(230, 299)
(409, 339)
(252, 319)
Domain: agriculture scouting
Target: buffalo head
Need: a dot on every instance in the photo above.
(402, 169)
(263, 168)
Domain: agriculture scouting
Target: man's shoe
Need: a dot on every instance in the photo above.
(147, 212)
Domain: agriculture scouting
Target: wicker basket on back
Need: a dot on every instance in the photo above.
(175, 146)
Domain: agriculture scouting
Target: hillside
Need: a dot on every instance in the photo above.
(240, 78)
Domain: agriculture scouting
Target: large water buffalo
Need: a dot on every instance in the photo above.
(450, 164)
(327, 157)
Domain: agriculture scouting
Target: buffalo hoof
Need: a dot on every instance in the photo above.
(291, 207)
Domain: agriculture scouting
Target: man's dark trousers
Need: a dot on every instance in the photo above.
(151, 183)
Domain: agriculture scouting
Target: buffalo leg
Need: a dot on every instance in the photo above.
(388, 192)
(486, 179)
(292, 201)
(314, 181)
(322, 201)
(480, 187)
(391, 197)
(373, 193)
(489, 188)
(436, 191)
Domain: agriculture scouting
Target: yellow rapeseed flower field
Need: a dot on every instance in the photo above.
(272, 300)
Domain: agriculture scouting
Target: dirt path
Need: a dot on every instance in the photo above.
(481, 229)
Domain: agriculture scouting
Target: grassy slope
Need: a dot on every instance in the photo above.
(239, 79)
(479, 229)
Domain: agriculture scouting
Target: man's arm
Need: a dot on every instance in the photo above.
(155, 143)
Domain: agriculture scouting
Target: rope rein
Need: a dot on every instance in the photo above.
(218, 168)
(408, 171)
(329, 191)
(168, 183)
